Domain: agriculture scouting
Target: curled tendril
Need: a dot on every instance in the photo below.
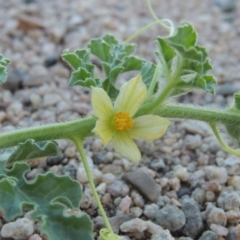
(106, 235)
(168, 24)
(222, 143)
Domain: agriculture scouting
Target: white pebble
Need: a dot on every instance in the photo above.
(219, 230)
(20, 229)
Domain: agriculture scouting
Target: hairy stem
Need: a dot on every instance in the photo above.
(78, 142)
(222, 143)
(65, 130)
(83, 128)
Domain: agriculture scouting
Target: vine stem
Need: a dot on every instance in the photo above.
(78, 142)
(222, 143)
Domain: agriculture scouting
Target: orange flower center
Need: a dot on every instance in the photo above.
(122, 121)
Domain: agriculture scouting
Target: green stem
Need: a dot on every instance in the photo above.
(153, 82)
(85, 126)
(196, 113)
(222, 143)
(65, 130)
(78, 142)
(170, 27)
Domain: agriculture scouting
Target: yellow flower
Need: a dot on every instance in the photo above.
(117, 123)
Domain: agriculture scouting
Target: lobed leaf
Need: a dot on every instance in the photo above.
(31, 149)
(49, 197)
(3, 68)
(195, 63)
(83, 73)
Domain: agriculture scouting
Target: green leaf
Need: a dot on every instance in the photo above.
(185, 36)
(147, 72)
(72, 59)
(237, 101)
(3, 68)
(194, 59)
(48, 196)
(132, 63)
(101, 49)
(31, 149)
(83, 78)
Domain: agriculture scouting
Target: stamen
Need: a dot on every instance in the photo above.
(123, 121)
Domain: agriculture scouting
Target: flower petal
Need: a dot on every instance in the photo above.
(125, 146)
(101, 103)
(148, 127)
(104, 131)
(132, 95)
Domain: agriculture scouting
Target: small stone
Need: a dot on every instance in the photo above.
(134, 226)
(150, 210)
(219, 230)
(35, 237)
(34, 172)
(108, 178)
(106, 199)
(82, 176)
(101, 188)
(137, 211)
(87, 199)
(115, 222)
(27, 22)
(217, 216)
(184, 190)
(233, 216)
(232, 181)
(38, 75)
(20, 229)
(209, 235)
(153, 228)
(210, 196)
(181, 173)
(193, 141)
(163, 235)
(194, 222)
(218, 174)
(229, 201)
(197, 178)
(196, 127)
(157, 165)
(199, 195)
(50, 99)
(232, 164)
(174, 183)
(3, 116)
(137, 199)
(141, 181)
(50, 61)
(35, 100)
(170, 217)
(15, 79)
(118, 189)
(125, 204)
(58, 32)
(55, 160)
(70, 152)
(185, 238)
(212, 185)
(114, 169)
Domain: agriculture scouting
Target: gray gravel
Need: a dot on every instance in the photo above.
(185, 174)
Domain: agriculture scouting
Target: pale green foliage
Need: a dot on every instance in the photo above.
(31, 149)
(3, 68)
(115, 58)
(194, 59)
(49, 197)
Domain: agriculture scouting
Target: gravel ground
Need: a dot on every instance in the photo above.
(195, 186)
